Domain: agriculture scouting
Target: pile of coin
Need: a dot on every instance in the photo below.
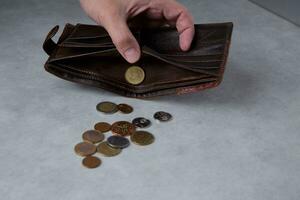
(94, 140)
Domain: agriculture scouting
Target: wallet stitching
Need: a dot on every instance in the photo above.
(101, 78)
(142, 91)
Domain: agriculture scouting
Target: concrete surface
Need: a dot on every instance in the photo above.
(288, 9)
(239, 141)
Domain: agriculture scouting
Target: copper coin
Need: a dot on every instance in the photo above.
(85, 149)
(107, 150)
(125, 108)
(142, 138)
(123, 128)
(116, 141)
(102, 126)
(141, 122)
(91, 162)
(93, 136)
(135, 75)
(162, 116)
(107, 107)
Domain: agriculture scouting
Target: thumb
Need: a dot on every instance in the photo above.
(122, 38)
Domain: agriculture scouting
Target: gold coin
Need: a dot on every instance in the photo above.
(135, 75)
(125, 108)
(142, 138)
(107, 107)
(122, 128)
(85, 149)
(91, 162)
(93, 136)
(107, 150)
(102, 126)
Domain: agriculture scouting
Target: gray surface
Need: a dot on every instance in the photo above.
(289, 9)
(239, 141)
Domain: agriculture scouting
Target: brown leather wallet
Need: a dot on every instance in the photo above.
(85, 54)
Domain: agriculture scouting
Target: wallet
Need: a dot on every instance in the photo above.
(86, 54)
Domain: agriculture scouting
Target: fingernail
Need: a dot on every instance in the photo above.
(131, 55)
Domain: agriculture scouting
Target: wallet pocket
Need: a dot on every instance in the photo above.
(88, 44)
(87, 36)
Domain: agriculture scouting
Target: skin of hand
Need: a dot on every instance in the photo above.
(114, 15)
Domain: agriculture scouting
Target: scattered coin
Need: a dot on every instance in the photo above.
(91, 162)
(142, 138)
(162, 116)
(135, 75)
(107, 107)
(141, 122)
(123, 128)
(125, 108)
(107, 150)
(116, 141)
(93, 136)
(102, 126)
(114, 144)
(85, 149)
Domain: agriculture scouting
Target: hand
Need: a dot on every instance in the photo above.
(113, 15)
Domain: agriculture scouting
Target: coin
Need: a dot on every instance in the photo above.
(142, 138)
(102, 126)
(118, 141)
(85, 149)
(162, 116)
(91, 162)
(125, 108)
(135, 75)
(107, 107)
(141, 122)
(93, 136)
(123, 128)
(107, 150)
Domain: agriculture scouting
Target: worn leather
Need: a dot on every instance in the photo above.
(85, 54)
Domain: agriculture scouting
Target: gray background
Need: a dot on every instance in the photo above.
(289, 9)
(239, 141)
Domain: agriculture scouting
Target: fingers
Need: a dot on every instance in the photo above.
(122, 37)
(178, 14)
(111, 15)
(186, 29)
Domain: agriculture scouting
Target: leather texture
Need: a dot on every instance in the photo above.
(85, 54)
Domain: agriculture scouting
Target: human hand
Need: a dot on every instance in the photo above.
(113, 15)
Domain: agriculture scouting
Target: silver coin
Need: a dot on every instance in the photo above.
(162, 116)
(118, 141)
(141, 122)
